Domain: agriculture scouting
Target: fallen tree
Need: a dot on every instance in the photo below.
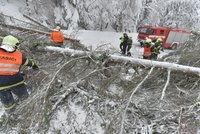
(135, 61)
(37, 31)
(37, 22)
(36, 28)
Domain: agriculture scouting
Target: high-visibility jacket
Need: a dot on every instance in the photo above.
(147, 51)
(121, 39)
(57, 36)
(10, 62)
(156, 49)
(124, 39)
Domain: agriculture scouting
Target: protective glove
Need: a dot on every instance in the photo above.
(35, 67)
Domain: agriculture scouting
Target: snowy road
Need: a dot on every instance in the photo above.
(95, 39)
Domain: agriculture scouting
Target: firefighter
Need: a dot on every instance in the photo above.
(156, 48)
(159, 42)
(57, 37)
(147, 49)
(124, 43)
(11, 81)
(129, 45)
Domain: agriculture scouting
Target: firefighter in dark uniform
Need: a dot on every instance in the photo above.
(156, 48)
(129, 45)
(11, 81)
(124, 43)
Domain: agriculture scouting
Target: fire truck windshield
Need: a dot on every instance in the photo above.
(146, 31)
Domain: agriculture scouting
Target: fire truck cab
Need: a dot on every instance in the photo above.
(172, 38)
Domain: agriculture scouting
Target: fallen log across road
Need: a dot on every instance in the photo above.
(135, 61)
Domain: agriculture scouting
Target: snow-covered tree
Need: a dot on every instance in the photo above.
(116, 15)
(127, 15)
(176, 14)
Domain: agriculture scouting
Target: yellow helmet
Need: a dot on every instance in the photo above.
(159, 40)
(148, 41)
(10, 40)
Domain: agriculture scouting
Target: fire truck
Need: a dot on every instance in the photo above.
(172, 38)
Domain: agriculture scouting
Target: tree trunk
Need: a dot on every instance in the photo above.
(194, 71)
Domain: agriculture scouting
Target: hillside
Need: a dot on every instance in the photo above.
(89, 94)
(117, 15)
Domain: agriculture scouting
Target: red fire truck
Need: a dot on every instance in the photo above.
(172, 38)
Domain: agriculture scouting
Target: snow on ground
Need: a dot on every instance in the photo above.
(94, 39)
(79, 116)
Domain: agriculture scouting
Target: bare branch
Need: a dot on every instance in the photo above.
(167, 83)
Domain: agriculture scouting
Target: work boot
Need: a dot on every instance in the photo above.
(128, 54)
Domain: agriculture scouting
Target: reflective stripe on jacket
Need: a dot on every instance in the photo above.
(156, 49)
(57, 36)
(10, 62)
(147, 51)
(121, 39)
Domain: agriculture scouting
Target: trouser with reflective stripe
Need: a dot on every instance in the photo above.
(7, 98)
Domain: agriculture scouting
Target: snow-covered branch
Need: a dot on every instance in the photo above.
(134, 91)
(37, 22)
(167, 83)
(141, 62)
